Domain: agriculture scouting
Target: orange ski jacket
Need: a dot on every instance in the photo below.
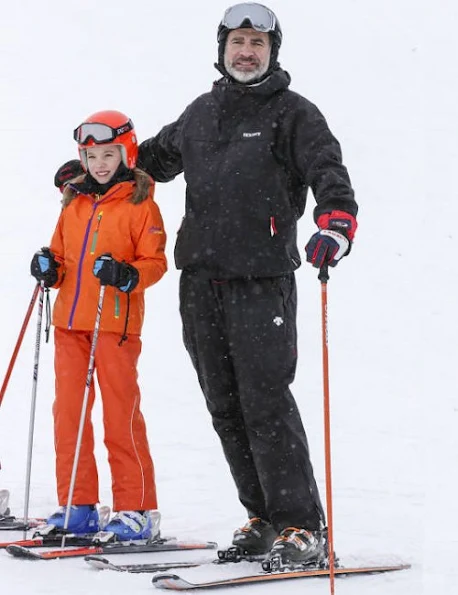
(125, 222)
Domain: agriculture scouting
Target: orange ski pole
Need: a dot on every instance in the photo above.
(19, 341)
(324, 277)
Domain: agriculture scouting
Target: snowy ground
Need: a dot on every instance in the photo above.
(384, 74)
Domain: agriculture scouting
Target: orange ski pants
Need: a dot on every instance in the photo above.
(132, 469)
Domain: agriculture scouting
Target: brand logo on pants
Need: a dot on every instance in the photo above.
(278, 320)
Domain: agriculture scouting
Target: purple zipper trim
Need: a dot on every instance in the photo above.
(80, 266)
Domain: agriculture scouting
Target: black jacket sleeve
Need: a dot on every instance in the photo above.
(317, 159)
(160, 155)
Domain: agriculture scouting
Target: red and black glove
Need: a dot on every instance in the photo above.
(333, 241)
(66, 172)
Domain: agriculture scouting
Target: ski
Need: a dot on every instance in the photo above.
(12, 523)
(101, 563)
(167, 544)
(8, 522)
(50, 540)
(177, 583)
(48, 535)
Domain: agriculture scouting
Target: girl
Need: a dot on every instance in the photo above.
(110, 232)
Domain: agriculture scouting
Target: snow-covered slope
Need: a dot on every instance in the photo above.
(384, 74)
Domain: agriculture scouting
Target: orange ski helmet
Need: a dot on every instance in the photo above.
(108, 127)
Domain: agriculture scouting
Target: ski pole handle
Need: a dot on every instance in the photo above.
(323, 275)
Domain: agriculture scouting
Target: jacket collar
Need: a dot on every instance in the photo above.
(226, 89)
(138, 189)
(90, 186)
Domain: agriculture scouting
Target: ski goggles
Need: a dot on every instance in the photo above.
(260, 17)
(99, 133)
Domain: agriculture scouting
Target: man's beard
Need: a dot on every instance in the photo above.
(242, 76)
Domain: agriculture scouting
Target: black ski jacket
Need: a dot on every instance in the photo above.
(249, 155)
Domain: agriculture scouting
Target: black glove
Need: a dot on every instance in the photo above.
(44, 267)
(118, 274)
(67, 172)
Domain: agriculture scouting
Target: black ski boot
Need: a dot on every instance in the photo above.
(255, 538)
(296, 549)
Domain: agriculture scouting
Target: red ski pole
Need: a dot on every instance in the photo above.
(19, 341)
(324, 277)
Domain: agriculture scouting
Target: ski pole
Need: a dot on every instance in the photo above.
(36, 360)
(19, 342)
(323, 276)
(90, 374)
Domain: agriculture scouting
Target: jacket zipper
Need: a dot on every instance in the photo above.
(80, 262)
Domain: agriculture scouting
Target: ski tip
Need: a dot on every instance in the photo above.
(101, 563)
(96, 561)
(171, 581)
(19, 551)
(94, 558)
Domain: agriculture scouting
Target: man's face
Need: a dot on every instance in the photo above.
(247, 54)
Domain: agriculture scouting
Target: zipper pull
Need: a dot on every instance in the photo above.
(96, 233)
(273, 229)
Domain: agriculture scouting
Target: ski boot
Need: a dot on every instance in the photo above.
(131, 525)
(250, 543)
(82, 519)
(297, 549)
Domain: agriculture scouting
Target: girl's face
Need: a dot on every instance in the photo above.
(103, 161)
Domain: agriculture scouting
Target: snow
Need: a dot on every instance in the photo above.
(384, 74)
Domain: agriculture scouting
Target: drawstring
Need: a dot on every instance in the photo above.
(48, 315)
(124, 336)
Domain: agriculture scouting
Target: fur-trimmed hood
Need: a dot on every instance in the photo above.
(143, 183)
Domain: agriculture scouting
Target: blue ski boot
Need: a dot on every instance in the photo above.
(82, 519)
(129, 525)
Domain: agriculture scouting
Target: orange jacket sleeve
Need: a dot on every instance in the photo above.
(150, 238)
(57, 249)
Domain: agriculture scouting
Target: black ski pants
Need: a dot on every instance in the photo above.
(241, 336)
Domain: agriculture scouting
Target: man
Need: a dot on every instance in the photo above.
(249, 150)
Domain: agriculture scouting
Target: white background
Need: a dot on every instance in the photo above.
(385, 76)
